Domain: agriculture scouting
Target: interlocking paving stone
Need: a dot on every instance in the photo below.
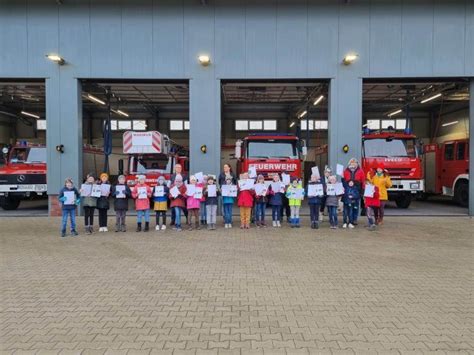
(406, 288)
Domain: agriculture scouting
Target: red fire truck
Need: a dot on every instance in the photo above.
(447, 170)
(271, 153)
(151, 154)
(24, 174)
(400, 152)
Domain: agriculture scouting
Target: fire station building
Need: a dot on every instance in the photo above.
(209, 72)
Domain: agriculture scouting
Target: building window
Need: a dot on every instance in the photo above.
(314, 125)
(255, 125)
(400, 124)
(179, 125)
(373, 124)
(387, 123)
(41, 125)
(126, 125)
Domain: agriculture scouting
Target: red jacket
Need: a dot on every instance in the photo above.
(245, 198)
(373, 201)
(141, 203)
(180, 200)
(358, 176)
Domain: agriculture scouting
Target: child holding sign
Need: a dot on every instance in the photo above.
(295, 194)
(193, 202)
(261, 191)
(276, 192)
(142, 193)
(89, 202)
(103, 201)
(228, 203)
(245, 202)
(351, 200)
(210, 192)
(332, 200)
(69, 198)
(160, 202)
(315, 193)
(121, 193)
(178, 200)
(372, 203)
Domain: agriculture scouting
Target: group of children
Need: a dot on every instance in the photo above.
(198, 200)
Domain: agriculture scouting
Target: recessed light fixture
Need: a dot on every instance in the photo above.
(95, 99)
(204, 59)
(318, 100)
(431, 98)
(56, 58)
(29, 114)
(394, 113)
(449, 123)
(350, 58)
(302, 114)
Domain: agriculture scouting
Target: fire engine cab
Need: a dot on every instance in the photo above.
(151, 154)
(447, 170)
(400, 152)
(271, 153)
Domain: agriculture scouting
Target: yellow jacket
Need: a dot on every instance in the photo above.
(382, 182)
(293, 201)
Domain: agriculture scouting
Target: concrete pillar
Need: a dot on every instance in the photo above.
(471, 148)
(205, 124)
(64, 126)
(345, 119)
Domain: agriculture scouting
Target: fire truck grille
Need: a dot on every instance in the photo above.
(399, 172)
(19, 179)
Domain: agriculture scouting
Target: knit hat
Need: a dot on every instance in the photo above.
(161, 178)
(327, 169)
(381, 165)
(104, 175)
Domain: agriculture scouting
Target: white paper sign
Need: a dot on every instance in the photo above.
(159, 191)
(86, 190)
(260, 189)
(142, 195)
(199, 176)
(120, 189)
(246, 184)
(369, 190)
(174, 191)
(190, 190)
(315, 172)
(96, 192)
(198, 193)
(285, 178)
(211, 191)
(252, 172)
(315, 190)
(105, 190)
(229, 190)
(339, 189)
(331, 189)
(297, 194)
(70, 200)
(340, 169)
(276, 187)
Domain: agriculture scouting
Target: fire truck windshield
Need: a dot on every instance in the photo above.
(272, 149)
(28, 155)
(394, 147)
(150, 163)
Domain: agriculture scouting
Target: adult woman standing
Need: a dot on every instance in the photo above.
(381, 179)
(226, 174)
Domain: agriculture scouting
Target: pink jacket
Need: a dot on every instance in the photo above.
(192, 202)
(141, 204)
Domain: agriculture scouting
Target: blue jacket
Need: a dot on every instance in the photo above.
(161, 198)
(228, 200)
(351, 194)
(275, 199)
(76, 196)
(315, 200)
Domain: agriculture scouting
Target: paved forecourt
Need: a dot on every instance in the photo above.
(406, 288)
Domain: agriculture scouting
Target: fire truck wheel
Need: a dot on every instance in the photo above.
(403, 201)
(461, 193)
(9, 203)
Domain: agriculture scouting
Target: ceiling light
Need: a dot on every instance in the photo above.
(394, 113)
(93, 98)
(449, 123)
(350, 58)
(318, 100)
(431, 98)
(292, 124)
(56, 58)
(302, 114)
(205, 60)
(29, 114)
(122, 113)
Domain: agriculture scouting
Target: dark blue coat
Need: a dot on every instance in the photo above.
(351, 194)
(315, 200)
(76, 196)
(275, 199)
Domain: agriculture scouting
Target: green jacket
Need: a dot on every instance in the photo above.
(294, 201)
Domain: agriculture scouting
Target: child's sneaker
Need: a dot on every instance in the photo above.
(274, 223)
(278, 224)
(226, 226)
(163, 227)
(344, 225)
(106, 229)
(74, 233)
(351, 226)
(63, 234)
(179, 229)
(372, 227)
(316, 225)
(157, 228)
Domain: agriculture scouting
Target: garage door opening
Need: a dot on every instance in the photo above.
(419, 130)
(279, 125)
(23, 187)
(120, 119)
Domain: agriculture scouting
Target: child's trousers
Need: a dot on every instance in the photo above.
(245, 215)
(143, 214)
(276, 210)
(372, 212)
(120, 217)
(72, 216)
(102, 217)
(260, 211)
(314, 213)
(88, 216)
(161, 214)
(351, 212)
(228, 213)
(211, 214)
(193, 213)
(202, 210)
(295, 212)
(332, 211)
